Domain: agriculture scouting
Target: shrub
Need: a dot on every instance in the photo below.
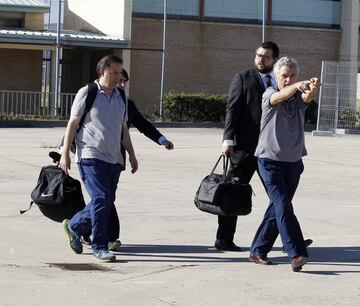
(200, 107)
(194, 107)
(348, 118)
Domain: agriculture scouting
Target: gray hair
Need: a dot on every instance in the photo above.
(286, 61)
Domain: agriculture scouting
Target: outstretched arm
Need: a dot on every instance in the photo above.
(288, 91)
(310, 94)
(146, 127)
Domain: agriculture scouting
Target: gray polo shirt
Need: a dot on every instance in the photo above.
(100, 135)
(282, 129)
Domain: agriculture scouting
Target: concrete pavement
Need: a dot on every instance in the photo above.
(167, 257)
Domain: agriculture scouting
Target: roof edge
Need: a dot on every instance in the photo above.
(24, 8)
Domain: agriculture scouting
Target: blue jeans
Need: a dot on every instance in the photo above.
(281, 180)
(100, 180)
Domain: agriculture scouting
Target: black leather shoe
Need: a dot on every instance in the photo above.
(223, 245)
(306, 241)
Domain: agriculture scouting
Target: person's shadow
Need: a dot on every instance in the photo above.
(178, 253)
(329, 256)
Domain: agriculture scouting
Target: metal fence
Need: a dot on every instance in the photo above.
(27, 104)
(339, 100)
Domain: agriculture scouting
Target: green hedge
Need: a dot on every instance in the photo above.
(201, 107)
(194, 107)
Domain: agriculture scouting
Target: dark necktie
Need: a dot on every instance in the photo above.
(268, 80)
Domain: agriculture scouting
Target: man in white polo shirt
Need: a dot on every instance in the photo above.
(98, 155)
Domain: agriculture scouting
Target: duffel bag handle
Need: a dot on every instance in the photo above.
(225, 160)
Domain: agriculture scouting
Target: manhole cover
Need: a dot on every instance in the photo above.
(79, 267)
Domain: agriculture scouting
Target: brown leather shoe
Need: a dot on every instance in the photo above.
(297, 263)
(263, 260)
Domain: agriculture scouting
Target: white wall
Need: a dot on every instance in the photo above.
(109, 17)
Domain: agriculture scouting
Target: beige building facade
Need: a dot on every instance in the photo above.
(204, 56)
(207, 41)
(21, 61)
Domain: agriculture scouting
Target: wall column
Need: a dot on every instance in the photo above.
(350, 30)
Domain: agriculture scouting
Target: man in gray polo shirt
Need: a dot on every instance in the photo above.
(279, 151)
(98, 155)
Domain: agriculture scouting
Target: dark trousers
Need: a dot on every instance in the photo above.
(245, 164)
(281, 179)
(114, 225)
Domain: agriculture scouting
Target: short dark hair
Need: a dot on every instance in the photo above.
(125, 74)
(106, 61)
(272, 46)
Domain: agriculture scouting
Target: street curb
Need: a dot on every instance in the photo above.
(62, 123)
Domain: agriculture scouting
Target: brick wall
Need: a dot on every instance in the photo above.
(203, 57)
(21, 69)
(34, 21)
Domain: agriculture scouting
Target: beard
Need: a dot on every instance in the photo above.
(266, 69)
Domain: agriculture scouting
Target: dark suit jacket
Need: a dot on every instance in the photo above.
(145, 127)
(243, 111)
(136, 119)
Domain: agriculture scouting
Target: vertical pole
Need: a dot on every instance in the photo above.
(57, 60)
(336, 119)
(163, 62)
(320, 92)
(263, 21)
(202, 10)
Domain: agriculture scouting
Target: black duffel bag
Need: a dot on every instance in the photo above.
(223, 195)
(58, 195)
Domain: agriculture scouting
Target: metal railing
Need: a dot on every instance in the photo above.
(339, 100)
(30, 104)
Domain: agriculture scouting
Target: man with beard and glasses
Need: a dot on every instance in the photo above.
(242, 127)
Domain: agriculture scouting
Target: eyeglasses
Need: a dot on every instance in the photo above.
(263, 56)
(123, 80)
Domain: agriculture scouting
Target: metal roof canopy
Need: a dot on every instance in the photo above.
(67, 39)
(33, 6)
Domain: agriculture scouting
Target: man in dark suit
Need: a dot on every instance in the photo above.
(242, 128)
(145, 127)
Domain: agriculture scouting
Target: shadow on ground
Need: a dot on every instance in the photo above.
(328, 256)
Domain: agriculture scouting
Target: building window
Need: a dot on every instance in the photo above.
(175, 8)
(304, 13)
(247, 11)
(11, 20)
(308, 13)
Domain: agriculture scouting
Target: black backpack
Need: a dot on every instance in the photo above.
(57, 195)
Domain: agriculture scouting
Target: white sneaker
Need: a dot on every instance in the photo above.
(104, 255)
(114, 246)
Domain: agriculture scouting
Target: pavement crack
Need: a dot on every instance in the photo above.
(155, 272)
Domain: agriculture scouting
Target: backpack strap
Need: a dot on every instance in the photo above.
(90, 98)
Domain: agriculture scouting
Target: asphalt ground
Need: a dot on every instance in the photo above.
(167, 257)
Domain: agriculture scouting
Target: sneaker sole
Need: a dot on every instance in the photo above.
(68, 235)
(112, 259)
